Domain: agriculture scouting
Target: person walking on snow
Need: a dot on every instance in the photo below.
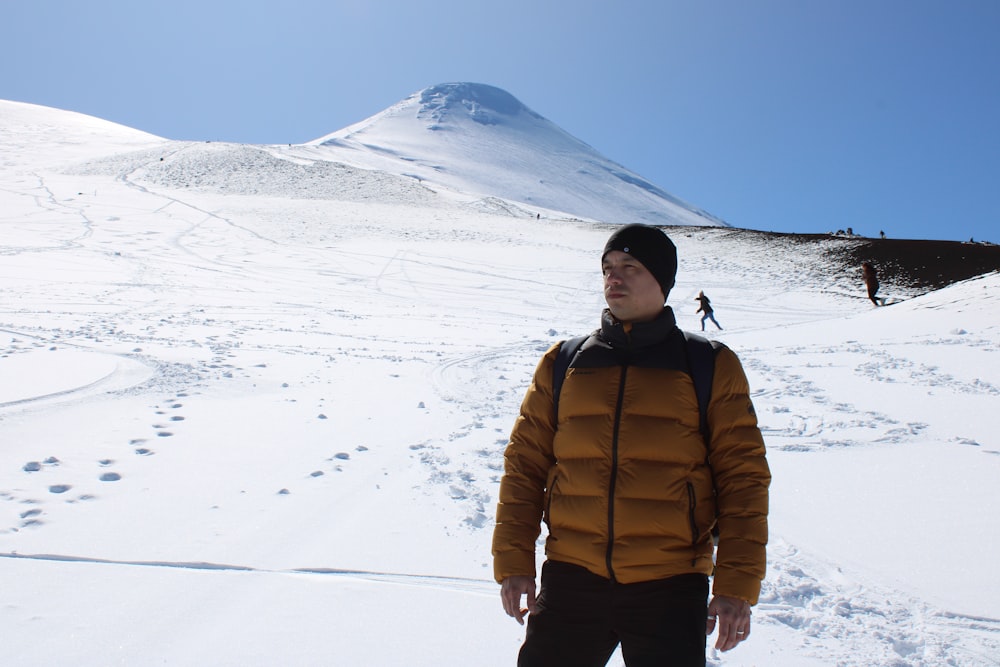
(871, 281)
(621, 478)
(706, 307)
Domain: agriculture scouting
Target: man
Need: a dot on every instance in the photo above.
(706, 307)
(870, 276)
(629, 489)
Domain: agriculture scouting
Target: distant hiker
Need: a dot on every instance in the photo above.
(630, 487)
(882, 234)
(706, 307)
(871, 281)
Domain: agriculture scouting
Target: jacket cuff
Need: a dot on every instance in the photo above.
(736, 586)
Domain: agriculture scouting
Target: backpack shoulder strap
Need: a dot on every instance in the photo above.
(701, 359)
(567, 350)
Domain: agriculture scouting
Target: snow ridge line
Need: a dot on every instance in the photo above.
(393, 577)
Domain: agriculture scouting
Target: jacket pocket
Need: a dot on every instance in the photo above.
(692, 513)
(549, 494)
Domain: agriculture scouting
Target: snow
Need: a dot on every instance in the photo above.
(253, 405)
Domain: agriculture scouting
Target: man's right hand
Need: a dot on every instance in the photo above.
(511, 591)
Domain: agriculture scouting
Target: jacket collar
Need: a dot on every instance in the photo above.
(639, 334)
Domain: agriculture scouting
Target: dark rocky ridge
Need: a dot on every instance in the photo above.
(919, 265)
(925, 265)
(907, 268)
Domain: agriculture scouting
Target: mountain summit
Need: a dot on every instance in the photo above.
(479, 139)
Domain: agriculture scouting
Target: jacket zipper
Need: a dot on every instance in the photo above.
(614, 474)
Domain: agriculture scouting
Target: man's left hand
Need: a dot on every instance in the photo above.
(733, 620)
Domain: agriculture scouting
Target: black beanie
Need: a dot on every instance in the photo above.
(652, 248)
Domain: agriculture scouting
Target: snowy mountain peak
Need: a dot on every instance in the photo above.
(481, 103)
(478, 139)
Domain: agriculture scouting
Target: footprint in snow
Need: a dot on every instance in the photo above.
(35, 466)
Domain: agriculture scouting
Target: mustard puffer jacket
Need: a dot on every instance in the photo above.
(623, 483)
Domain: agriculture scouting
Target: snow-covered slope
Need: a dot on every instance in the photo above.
(31, 135)
(253, 406)
(479, 139)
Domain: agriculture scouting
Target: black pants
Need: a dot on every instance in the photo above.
(581, 619)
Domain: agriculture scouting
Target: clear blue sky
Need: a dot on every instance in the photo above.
(781, 115)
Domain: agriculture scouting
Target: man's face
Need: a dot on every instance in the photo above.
(632, 293)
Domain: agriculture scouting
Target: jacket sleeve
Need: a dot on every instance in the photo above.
(527, 461)
(742, 477)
